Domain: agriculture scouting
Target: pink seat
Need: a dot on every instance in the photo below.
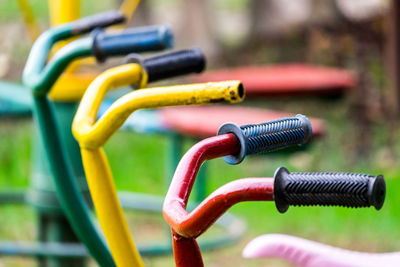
(305, 253)
(202, 122)
(286, 79)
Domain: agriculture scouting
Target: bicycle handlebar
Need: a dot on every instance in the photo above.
(143, 39)
(100, 20)
(327, 189)
(172, 64)
(268, 136)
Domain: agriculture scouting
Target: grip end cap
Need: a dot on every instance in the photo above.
(377, 192)
(307, 129)
(279, 184)
(236, 130)
(167, 35)
(97, 34)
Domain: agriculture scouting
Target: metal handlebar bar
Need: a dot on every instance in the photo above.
(40, 77)
(187, 226)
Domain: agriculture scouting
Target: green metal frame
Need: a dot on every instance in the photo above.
(39, 77)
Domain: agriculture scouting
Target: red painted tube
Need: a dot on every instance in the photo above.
(201, 218)
(186, 251)
(187, 226)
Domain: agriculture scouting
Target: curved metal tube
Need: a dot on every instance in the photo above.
(40, 79)
(187, 226)
(92, 134)
(302, 252)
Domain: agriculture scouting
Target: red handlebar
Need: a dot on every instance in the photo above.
(187, 226)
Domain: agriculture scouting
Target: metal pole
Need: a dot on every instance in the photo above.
(53, 225)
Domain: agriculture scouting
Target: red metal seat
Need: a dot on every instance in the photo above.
(202, 122)
(286, 79)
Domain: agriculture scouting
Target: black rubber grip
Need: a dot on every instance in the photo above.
(100, 20)
(268, 136)
(327, 189)
(175, 64)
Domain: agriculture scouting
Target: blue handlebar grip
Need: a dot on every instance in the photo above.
(143, 39)
(268, 136)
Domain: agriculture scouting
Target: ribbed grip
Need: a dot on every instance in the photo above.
(100, 20)
(268, 136)
(175, 64)
(143, 39)
(327, 189)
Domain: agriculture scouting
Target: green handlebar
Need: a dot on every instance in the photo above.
(40, 77)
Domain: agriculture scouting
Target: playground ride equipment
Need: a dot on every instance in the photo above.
(58, 185)
(179, 123)
(15, 99)
(234, 143)
(260, 81)
(92, 134)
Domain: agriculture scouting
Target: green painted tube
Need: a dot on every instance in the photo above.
(51, 249)
(42, 82)
(40, 50)
(15, 97)
(40, 78)
(70, 198)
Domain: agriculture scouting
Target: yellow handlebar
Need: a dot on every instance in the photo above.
(92, 134)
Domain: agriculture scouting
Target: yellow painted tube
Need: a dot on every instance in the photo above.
(195, 94)
(128, 7)
(63, 11)
(29, 19)
(108, 208)
(98, 173)
(92, 134)
(71, 86)
(85, 117)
